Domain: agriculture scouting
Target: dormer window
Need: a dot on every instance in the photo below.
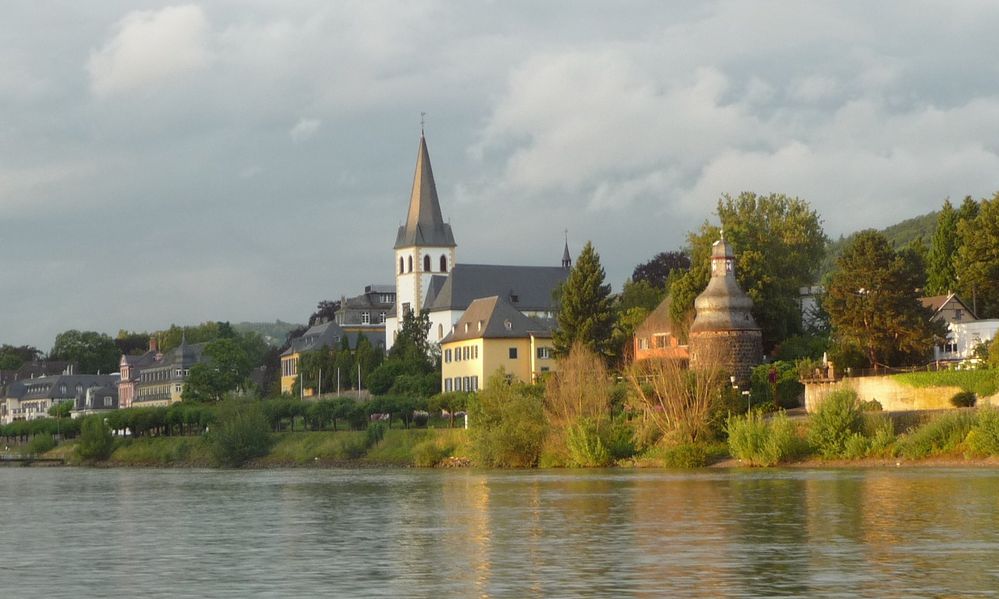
(466, 327)
(508, 325)
(514, 298)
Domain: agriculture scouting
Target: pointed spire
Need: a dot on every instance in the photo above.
(566, 257)
(424, 223)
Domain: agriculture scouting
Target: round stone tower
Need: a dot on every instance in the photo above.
(724, 330)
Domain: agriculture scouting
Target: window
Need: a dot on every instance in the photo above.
(400, 265)
(426, 263)
(406, 309)
(475, 383)
(466, 384)
(513, 353)
(958, 314)
(381, 317)
(544, 369)
(514, 298)
(440, 331)
(466, 352)
(443, 263)
(178, 388)
(475, 352)
(447, 355)
(479, 326)
(950, 347)
(365, 317)
(544, 353)
(660, 341)
(507, 325)
(466, 327)
(643, 343)
(448, 385)
(410, 263)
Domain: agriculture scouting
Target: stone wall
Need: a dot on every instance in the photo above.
(890, 393)
(737, 351)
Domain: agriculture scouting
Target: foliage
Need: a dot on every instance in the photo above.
(451, 402)
(977, 262)
(131, 343)
(325, 312)
(374, 434)
(993, 358)
(761, 441)
(982, 383)
(871, 405)
(432, 452)
(983, 438)
(240, 434)
(942, 435)
(880, 432)
(873, 305)
(682, 404)
(226, 369)
(12, 358)
(657, 270)
(899, 235)
(963, 399)
(416, 385)
(585, 444)
(584, 311)
(92, 352)
(40, 444)
(785, 390)
(836, 419)
(61, 409)
(507, 424)
(96, 441)
(801, 346)
(778, 244)
(940, 275)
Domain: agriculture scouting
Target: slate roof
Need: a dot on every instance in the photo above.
(51, 386)
(499, 320)
(424, 223)
(327, 334)
(528, 288)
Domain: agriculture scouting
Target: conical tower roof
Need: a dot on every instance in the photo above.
(723, 305)
(424, 224)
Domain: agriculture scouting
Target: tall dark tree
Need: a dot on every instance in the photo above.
(344, 364)
(132, 343)
(92, 352)
(585, 315)
(940, 275)
(874, 307)
(11, 358)
(658, 270)
(977, 260)
(325, 312)
(779, 244)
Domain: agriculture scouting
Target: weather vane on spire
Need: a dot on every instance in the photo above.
(422, 118)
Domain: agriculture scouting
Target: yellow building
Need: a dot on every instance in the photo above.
(323, 335)
(492, 334)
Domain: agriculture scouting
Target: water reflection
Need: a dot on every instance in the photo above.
(476, 533)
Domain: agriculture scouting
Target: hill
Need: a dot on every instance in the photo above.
(900, 235)
(274, 333)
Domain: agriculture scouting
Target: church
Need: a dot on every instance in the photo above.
(429, 278)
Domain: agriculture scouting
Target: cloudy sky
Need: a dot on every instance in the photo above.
(237, 160)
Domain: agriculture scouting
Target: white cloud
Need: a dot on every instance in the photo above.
(150, 47)
(304, 129)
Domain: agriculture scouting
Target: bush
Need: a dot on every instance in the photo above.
(983, 438)
(835, 420)
(241, 434)
(507, 424)
(585, 445)
(429, 453)
(684, 455)
(940, 435)
(982, 383)
(881, 434)
(96, 442)
(964, 399)
(788, 387)
(759, 441)
(871, 405)
(857, 447)
(40, 444)
(374, 434)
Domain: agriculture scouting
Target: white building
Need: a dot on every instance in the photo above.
(964, 337)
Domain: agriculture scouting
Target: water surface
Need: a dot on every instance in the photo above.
(429, 533)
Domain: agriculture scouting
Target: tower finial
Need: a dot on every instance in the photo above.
(723, 233)
(566, 257)
(423, 116)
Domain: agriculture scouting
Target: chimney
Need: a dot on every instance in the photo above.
(153, 345)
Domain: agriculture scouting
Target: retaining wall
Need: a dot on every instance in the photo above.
(891, 394)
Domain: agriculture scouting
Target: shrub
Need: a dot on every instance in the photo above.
(585, 445)
(759, 441)
(835, 420)
(431, 452)
(983, 438)
(856, 447)
(41, 443)
(507, 424)
(241, 434)
(374, 434)
(788, 387)
(881, 433)
(940, 435)
(684, 455)
(980, 382)
(964, 399)
(96, 442)
(871, 405)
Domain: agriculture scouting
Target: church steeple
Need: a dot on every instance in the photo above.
(424, 224)
(566, 257)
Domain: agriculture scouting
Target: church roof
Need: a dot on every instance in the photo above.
(424, 223)
(496, 318)
(528, 288)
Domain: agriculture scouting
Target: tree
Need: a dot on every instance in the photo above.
(366, 358)
(779, 244)
(657, 271)
(131, 343)
(96, 442)
(325, 312)
(940, 275)
(873, 304)
(92, 352)
(584, 314)
(977, 261)
(12, 358)
(226, 369)
(343, 363)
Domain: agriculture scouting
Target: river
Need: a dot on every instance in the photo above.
(70, 532)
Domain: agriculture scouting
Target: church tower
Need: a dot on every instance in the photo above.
(424, 245)
(724, 330)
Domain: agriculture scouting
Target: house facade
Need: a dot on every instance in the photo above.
(161, 382)
(654, 338)
(492, 334)
(29, 399)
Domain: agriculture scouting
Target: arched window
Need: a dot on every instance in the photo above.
(400, 265)
(440, 331)
(410, 264)
(426, 264)
(443, 263)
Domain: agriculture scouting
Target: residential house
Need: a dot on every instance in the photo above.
(161, 382)
(655, 338)
(493, 334)
(948, 308)
(96, 400)
(129, 368)
(28, 399)
(323, 335)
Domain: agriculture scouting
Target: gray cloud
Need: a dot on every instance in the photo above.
(153, 170)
